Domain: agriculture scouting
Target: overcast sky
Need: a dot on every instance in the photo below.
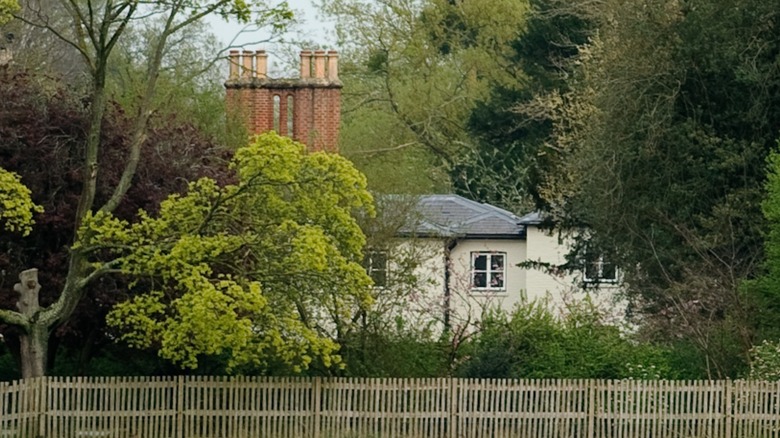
(311, 28)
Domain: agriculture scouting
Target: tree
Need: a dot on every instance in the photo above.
(506, 166)
(190, 83)
(43, 120)
(662, 141)
(7, 9)
(765, 288)
(400, 335)
(268, 267)
(414, 72)
(94, 31)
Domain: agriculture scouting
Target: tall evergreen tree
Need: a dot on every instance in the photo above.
(506, 166)
(662, 141)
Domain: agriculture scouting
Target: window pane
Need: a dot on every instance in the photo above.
(379, 260)
(290, 113)
(379, 277)
(480, 279)
(375, 264)
(277, 115)
(608, 272)
(497, 280)
(592, 270)
(497, 262)
(480, 262)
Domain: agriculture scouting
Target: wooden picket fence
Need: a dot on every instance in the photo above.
(216, 407)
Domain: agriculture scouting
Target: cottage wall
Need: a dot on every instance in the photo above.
(467, 303)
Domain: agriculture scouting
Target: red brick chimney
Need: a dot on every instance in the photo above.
(308, 108)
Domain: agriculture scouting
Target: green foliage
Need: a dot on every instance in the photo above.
(532, 343)
(7, 9)
(189, 85)
(510, 155)
(661, 141)
(16, 206)
(256, 270)
(764, 291)
(413, 72)
(765, 361)
(95, 36)
(399, 352)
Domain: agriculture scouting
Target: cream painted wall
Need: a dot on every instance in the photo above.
(563, 290)
(416, 295)
(546, 247)
(467, 304)
(423, 302)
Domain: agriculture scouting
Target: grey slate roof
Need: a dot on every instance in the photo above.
(534, 218)
(453, 215)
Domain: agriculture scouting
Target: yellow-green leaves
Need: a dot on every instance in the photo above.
(7, 9)
(265, 269)
(16, 206)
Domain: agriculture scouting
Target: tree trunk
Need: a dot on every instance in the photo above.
(34, 342)
(33, 348)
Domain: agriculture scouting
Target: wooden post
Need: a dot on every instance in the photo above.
(592, 388)
(728, 418)
(453, 409)
(179, 406)
(42, 402)
(317, 401)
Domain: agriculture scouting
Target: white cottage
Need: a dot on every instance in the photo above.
(462, 257)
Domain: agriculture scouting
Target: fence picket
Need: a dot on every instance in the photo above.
(209, 407)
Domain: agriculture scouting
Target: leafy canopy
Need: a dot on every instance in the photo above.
(7, 9)
(259, 270)
(414, 70)
(16, 206)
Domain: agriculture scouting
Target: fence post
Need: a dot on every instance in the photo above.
(592, 388)
(317, 402)
(452, 426)
(728, 418)
(44, 405)
(179, 406)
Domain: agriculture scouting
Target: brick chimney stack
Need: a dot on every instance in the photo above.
(308, 108)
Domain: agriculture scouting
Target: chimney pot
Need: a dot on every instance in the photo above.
(261, 61)
(319, 64)
(305, 64)
(333, 65)
(247, 58)
(233, 62)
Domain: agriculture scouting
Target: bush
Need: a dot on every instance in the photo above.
(765, 361)
(532, 343)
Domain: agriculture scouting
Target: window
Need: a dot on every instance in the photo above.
(290, 115)
(376, 266)
(487, 270)
(277, 113)
(600, 270)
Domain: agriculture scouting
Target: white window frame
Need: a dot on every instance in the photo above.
(489, 271)
(599, 263)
